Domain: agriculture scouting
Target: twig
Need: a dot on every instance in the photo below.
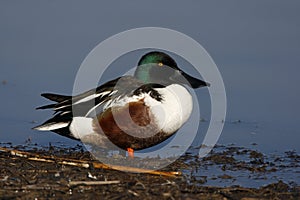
(84, 163)
(134, 170)
(73, 183)
(133, 193)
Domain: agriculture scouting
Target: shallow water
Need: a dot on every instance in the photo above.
(239, 166)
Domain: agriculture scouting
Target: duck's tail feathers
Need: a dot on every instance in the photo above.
(59, 121)
(58, 124)
(59, 99)
(46, 107)
(51, 126)
(56, 97)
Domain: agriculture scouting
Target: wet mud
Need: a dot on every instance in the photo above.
(21, 178)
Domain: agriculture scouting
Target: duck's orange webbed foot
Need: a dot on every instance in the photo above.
(130, 153)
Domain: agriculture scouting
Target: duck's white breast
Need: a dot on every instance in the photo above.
(174, 109)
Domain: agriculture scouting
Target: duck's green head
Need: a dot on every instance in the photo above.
(158, 67)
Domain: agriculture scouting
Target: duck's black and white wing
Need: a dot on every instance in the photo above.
(69, 107)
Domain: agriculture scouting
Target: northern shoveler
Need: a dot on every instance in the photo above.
(133, 112)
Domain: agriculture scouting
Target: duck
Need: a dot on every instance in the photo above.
(132, 112)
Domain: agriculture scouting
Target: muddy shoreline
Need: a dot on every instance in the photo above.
(21, 178)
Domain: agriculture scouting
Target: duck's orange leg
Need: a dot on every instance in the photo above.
(130, 153)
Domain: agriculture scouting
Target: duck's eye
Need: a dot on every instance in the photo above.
(160, 64)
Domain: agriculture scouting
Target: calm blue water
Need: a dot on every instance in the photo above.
(262, 115)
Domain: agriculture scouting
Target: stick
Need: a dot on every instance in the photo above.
(98, 165)
(72, 183)
(84, 163)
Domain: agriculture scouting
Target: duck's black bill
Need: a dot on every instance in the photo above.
(194, 82)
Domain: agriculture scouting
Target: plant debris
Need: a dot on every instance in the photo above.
(27, 178)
